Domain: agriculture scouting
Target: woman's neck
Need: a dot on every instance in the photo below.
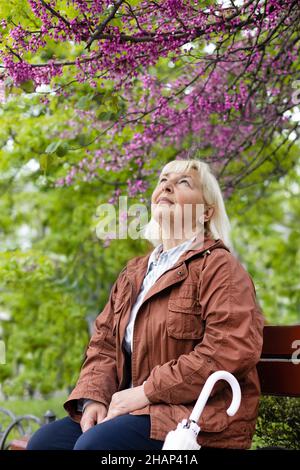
(172, 242)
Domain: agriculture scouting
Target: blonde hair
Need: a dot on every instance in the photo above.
(218, 226)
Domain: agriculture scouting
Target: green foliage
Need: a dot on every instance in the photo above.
(40, 355)
(35, 407)
(54, 273)
(278, 423)
(266, 237)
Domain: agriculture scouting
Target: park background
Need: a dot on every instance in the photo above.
(95, 96)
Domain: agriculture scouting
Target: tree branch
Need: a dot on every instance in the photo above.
(99, 30)
(54, 13)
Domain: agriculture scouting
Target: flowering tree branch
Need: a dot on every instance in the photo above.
(227, 88)
(99, 30)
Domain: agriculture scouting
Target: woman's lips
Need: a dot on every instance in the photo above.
(164, 200)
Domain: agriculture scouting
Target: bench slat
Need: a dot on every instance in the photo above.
(279, 378)
(19, 444)
(278, 374)
(278, 340)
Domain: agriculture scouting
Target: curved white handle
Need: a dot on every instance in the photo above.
(206, 391)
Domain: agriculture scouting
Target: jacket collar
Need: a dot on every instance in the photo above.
(198, 246)
(137, 267)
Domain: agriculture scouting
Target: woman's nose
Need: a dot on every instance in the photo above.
(168, 187)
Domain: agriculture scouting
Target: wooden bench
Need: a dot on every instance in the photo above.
(279, 366)
(19, 444)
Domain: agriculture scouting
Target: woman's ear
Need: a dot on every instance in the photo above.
(209, 212)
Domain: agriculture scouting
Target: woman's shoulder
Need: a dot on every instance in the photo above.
(223, 260)
(136, 261)
(132, 264)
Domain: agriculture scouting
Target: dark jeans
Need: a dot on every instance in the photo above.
(127, 432)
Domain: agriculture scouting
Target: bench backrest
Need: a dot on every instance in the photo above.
(279, 366)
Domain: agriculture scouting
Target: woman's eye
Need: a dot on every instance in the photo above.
(184, 181)
(162, 180)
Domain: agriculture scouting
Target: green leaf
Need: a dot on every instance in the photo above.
(116, 22)
(84, 102)
(45, 162)
(28, 86)
(47, 54)
(53, 146)
(62, 149)
(105, 116)
(82, 139)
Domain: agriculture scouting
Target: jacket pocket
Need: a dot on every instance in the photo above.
(184, 319)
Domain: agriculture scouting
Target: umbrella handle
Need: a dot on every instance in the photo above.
(206, 391)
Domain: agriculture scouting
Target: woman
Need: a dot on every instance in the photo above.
(173, 318)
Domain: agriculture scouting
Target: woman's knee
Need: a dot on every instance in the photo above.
(103, 436)
(59, 435)
(93, 439)
(41, 438)
(125, 432)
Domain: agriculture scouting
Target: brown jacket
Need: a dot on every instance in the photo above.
(200, 316)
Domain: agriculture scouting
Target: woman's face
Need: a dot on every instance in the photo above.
(178, 196)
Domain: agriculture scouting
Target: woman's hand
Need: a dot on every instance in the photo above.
(93, 414)
(126, 401)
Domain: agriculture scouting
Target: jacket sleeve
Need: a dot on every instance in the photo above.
(98, 377)
(232, 339)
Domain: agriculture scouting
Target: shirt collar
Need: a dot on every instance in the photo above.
(158, 251)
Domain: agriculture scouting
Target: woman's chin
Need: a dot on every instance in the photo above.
(163, 210)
